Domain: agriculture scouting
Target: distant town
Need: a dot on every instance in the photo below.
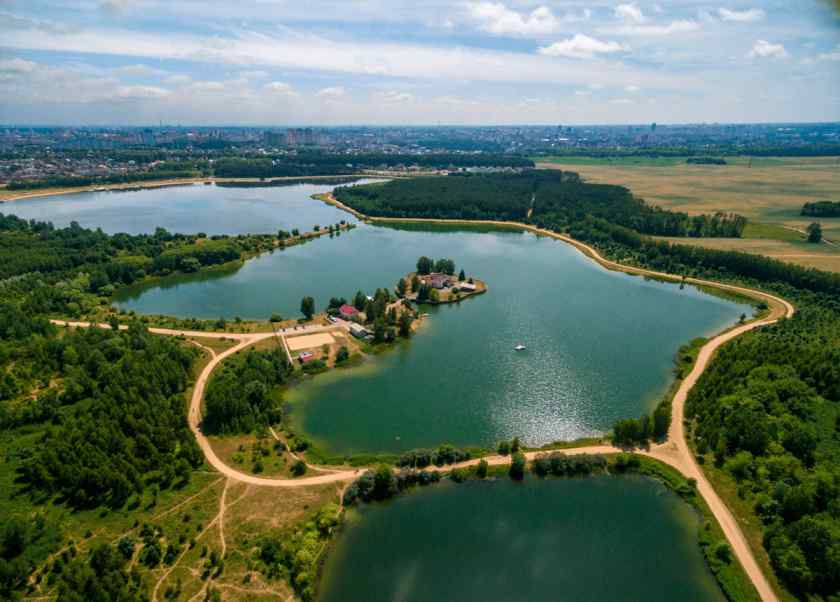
(29, 153)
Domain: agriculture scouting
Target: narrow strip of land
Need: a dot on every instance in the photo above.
(674, 452)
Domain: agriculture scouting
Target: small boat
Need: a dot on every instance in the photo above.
(519, 347)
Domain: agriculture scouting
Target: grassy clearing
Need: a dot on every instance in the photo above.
(771, 232)
(253, 454)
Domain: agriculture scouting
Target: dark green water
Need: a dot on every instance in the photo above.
(596, 539)
(599, 344)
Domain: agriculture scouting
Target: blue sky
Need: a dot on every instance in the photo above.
(475, 62)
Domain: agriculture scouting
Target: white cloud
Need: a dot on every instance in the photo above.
(621, 101)
(741, 16)
(138, 70)
(141, 93)
(496, 18)
(765, 49)
(300, 51)
(581, 47)
(333, 92)
(397, 96)
(652, 30)
(583, 92)
(177, 80)
(280, 88)
(17, 65)
(636, 23)
(208, 86)
(253, 74)
(630, 13)
(632, 89)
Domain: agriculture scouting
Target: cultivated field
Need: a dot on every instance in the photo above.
(770, 192)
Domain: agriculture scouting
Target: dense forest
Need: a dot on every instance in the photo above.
(72, 181)
(83, 261)
(241, 395)
(115, 423)
(821, 209)
(546, 198)
(767, 411)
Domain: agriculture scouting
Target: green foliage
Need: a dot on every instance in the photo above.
(307, 307)
(481, 469)
(382, 483)
(298, 468)
(102, 576)
(563, 465)
(814, 233)
(517, 466)
(240, 396)
(295, 554)
(768, 408)
(444, 455)
(821, 209)
(560, 199)
(125, 422)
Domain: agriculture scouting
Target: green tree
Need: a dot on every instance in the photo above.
(307, 307)
(517, 466)
(298, 468)
(424, 265)
(504, 448)
(814, 233)
(481, 469)
(401, 287)
(342, 355)
(359, 301)
(380, 331)
(461, 276)
(415, 283)
(405, 322)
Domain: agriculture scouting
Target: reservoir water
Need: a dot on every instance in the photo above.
(600, 344)
(593, 539)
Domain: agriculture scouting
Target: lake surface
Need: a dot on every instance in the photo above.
(600, 344)
(187, 209)
(593, 539)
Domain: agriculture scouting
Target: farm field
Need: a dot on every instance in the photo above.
(770, 193)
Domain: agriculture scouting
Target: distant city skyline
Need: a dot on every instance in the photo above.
(394, 62)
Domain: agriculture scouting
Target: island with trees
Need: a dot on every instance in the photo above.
(435, 282)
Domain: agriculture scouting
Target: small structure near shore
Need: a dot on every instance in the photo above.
(437, 287)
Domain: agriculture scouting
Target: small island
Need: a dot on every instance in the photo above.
(435, 283)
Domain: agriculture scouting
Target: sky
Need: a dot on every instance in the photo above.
(415, 62)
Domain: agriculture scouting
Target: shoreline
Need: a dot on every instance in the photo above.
(29, 193)
(673, 452)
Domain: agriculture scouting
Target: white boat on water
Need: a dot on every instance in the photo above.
(520, 347)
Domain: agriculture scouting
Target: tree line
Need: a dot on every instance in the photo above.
(821, 209)
(545, 198)
(241, 396)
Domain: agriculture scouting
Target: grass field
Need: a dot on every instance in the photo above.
(768, 191)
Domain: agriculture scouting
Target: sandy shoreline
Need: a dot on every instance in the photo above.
(18, 195)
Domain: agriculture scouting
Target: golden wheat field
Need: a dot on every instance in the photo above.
(770, 192)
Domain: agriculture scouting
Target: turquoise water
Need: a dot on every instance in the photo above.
(595, 539)
(599, 344)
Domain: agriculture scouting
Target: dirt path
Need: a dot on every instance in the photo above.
(675, 452)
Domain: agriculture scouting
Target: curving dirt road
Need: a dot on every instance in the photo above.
(674, 452)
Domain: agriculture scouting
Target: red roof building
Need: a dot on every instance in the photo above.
(347, 311)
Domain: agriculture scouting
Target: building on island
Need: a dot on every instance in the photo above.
(358, 331)
(305, 357)
(467, 287)
(348, 312)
